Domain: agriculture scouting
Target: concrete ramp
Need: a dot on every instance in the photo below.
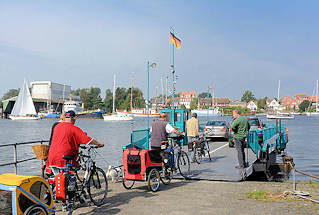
(222, 164)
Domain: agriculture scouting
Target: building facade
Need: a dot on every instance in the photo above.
(185, 98)
(49, 90)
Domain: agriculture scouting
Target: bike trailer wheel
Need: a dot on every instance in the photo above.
(153, 180)
(128, 184)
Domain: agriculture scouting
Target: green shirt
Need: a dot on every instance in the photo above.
(240, 127)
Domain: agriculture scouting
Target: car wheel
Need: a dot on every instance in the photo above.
(231, 144)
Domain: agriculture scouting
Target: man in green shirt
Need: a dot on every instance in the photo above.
(240, 127)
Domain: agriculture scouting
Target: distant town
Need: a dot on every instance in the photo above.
(50, 96)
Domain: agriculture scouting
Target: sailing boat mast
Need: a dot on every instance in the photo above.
(278, 93)
(132, 93)
(113, 110)
(317, 96)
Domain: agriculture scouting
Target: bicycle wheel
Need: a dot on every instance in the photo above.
(97, 186)
(128, 184)
(35, 210)
(153, 180)
(183, 164)
(197, 155)
(167, 176)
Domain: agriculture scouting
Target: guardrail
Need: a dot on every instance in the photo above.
(15, 153)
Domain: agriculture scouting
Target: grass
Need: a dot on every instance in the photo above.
(312, 183)
(259, 195)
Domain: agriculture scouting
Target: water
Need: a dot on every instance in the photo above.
(303, 143)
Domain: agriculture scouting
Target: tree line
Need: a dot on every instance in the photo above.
(91, 98)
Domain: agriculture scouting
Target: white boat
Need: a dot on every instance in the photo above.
(140, 113)
(315, 113)
(211, 112)
(280, 116)
(116, 116)
(72, 105)
(23, 108)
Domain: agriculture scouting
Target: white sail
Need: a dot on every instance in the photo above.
(24, 104)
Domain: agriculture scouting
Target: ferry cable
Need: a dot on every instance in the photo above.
(299, 193)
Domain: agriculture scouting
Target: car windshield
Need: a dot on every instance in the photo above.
(216, 123)
(253, 122)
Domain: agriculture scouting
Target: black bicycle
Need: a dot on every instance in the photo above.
(183, 163)
(201, 149)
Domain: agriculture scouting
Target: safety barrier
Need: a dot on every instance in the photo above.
(273, 137)
(139, 139)
(16, 161)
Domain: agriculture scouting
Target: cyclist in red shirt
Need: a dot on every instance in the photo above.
(66, 140)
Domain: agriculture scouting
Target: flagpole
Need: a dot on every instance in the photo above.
(173, 71)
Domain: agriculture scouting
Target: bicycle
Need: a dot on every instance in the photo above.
(183, 163)
(201, 148)
(74, 186)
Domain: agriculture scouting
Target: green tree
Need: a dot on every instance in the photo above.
(204, 95)
(247, 96)
(183, 106)
(194, 103)
(76, 92)
(108, 101)
(91, 98)
(262, 103)
(11, 93)
(304, 105)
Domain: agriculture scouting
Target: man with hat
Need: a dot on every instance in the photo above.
(66, 140)
(160, 129)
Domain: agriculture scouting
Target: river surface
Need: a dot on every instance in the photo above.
(303, 143)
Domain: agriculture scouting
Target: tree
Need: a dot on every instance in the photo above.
(247, 96)
(262, 103)
(183, 106)
(11, 93)
(91, 98)
(194, 103)
(304, 105)
(76, 92)
(204, 95)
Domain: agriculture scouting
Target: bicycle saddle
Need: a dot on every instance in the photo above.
(68, 157)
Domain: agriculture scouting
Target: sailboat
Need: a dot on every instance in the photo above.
(316, 112)
(279, 115)
(116, 116)
(142, 112)
(23, 108)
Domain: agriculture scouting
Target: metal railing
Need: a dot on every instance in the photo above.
(15, 153)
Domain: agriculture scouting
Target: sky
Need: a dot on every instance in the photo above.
(232, 46)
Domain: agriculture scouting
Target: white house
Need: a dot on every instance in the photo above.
(274, 105)
(252, 106)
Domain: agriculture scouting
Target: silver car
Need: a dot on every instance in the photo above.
(216, 129)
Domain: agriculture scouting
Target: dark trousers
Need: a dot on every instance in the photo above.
(163, 154)
(240, 146)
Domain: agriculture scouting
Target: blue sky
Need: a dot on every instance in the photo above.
(231, 45)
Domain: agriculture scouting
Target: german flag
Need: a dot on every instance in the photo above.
(175, 41)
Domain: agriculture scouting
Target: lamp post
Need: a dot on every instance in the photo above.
(153, 65)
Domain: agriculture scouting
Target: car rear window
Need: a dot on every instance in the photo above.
(253, 122)
(216, 123)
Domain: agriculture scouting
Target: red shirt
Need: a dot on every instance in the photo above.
(65, 141)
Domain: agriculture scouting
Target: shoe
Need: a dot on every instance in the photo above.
(193, 161)
(239, 167)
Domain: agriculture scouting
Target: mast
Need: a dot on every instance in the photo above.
(317, 96)
(162, 91)
(113, 110)
(278, 93)
(132, 93)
